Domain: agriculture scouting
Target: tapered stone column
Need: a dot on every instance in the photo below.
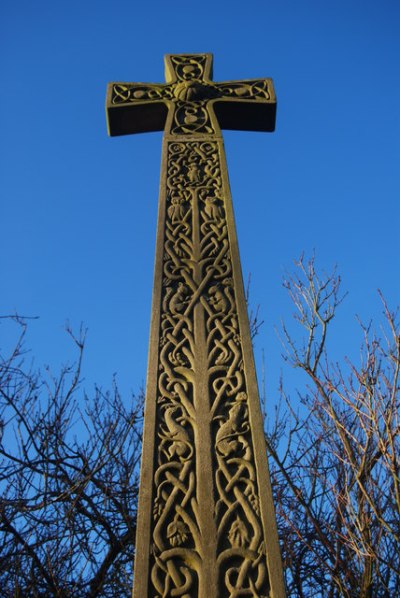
(206, 523)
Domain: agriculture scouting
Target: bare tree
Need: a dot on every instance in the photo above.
(68, 482)
(69, 467)
(336, 461)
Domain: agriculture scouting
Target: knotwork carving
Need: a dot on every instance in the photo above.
(192, 117)
(189, 67)
(200, 340)
(250, 90)
(126, 93)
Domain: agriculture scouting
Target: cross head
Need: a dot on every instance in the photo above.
(190, 103)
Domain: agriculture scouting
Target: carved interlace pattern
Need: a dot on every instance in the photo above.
(190, 94)
(201, 371)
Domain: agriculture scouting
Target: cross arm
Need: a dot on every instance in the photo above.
(248, 105)
(136, 108)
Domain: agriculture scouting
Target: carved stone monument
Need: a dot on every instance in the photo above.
(206, 523)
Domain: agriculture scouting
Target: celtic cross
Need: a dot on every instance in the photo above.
(206, 524)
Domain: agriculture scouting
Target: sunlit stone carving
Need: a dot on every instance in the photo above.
(206, 524)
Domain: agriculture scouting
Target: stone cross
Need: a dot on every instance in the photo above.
(206, 524)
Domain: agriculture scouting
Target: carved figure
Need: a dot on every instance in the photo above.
(176, 211)
(212, 210)
(193, 172)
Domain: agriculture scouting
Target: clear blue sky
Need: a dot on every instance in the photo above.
(78, 209)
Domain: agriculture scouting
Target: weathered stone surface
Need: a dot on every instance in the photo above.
(206, 523)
